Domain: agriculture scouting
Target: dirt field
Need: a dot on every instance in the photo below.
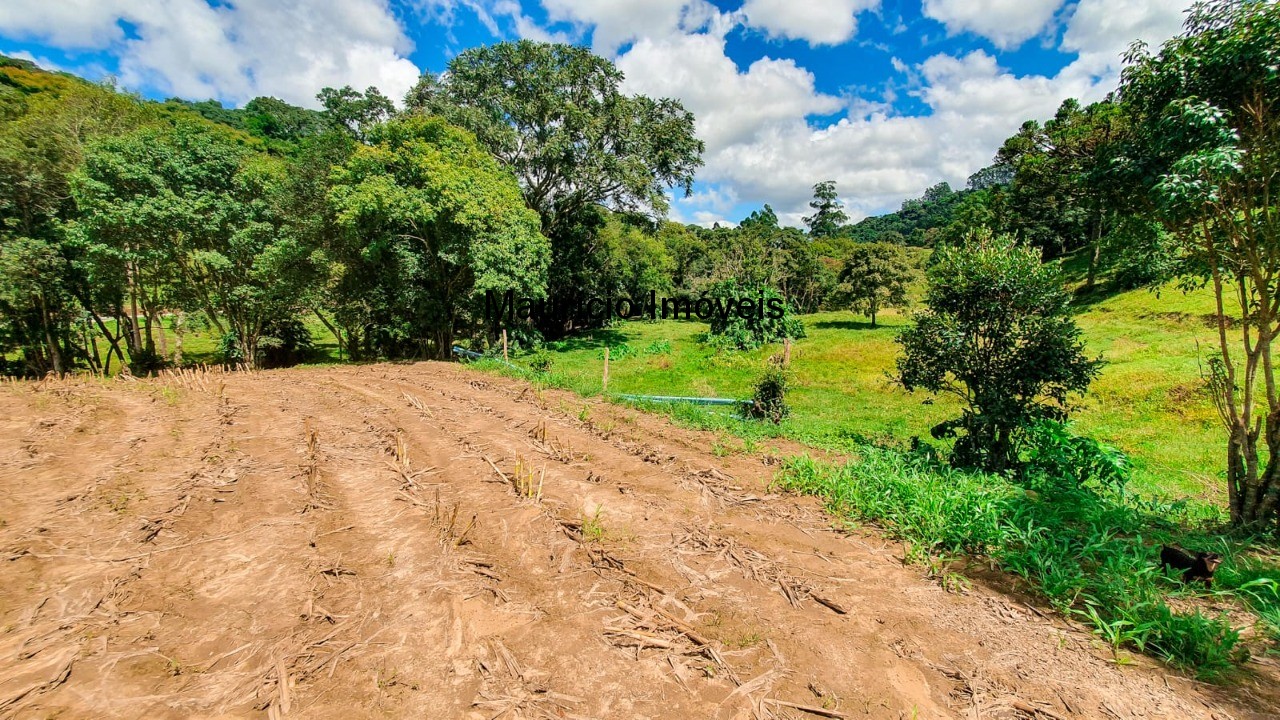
(424, 541)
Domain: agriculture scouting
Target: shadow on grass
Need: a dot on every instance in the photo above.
(589, 339)
(848, 325)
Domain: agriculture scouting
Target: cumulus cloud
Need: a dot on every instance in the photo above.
(762, 147)
(1100, 30)
(763, 144)
(819, 23)
(1006, 23)
(286, 48)
(731, 107)
(615, 23)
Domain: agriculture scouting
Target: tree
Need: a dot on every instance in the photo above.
(1066, 194)
(188, 216)
(636, 260)
(357, 112)
(555, 116)
(1207, 111)
(40, 148)
(828, 214)
(998, 334)
(875, 276)
(432, 223)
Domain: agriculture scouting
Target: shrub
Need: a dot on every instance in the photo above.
(229, 350)
(730, 331)
(769, 401)
(621, 351)
(998, 334)
(283, 343)
(541, 363)
(1053, 453)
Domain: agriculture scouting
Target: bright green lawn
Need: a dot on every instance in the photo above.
(1148, 400)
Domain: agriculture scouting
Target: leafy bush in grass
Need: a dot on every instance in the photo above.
(621, 351)
(730, 331)
(1052, 451)
(1091, 552)
(769, 402)
(541, 362)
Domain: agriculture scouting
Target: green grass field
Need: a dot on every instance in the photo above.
(1149, 400)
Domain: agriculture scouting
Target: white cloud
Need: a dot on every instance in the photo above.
(731, 107)
(760, 145)
(618, 22)
(286, 48)
(820, 23)
(1007, 23)
(1100, 30)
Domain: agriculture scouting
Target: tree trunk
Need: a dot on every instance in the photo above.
(55, 354)
(136, 338)
(178, 330)
(1095, 238)
(164, 342)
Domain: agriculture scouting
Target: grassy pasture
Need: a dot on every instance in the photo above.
(1149, 400)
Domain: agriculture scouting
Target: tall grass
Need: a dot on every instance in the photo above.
(1093, 553)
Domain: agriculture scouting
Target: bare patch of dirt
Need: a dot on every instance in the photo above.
(423, 541)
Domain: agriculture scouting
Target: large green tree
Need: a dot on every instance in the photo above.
(187, 216)
(49, 285)
(875, 276)
(431, 222)
(1207, 110)
(997, 333)
(1066, 192)
(828, 214)
(555, 116)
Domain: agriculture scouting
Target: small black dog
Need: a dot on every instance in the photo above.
(1197, 567)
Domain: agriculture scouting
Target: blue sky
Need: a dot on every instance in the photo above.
(884, 97)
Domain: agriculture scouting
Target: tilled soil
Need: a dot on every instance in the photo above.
(426, 541)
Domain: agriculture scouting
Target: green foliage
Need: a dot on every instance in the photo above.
(730, 331)
(828, 213)
(188, 215)
(769, 402)
(875, 276)
(1091, 554)
(617, 351)
(432, 223)
(917, 222)
(555, 116)
(997, 334)
(546, 111)
(358, 112)
(285, 341)
(541, 363)
(1053, 452)
(230, 350)
(1207, 150)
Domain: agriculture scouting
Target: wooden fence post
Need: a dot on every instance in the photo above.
(504, 346)
(605, 383)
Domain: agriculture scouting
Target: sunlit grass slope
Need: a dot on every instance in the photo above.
(1149, 400)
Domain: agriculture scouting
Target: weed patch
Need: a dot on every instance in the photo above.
(1092, 553)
